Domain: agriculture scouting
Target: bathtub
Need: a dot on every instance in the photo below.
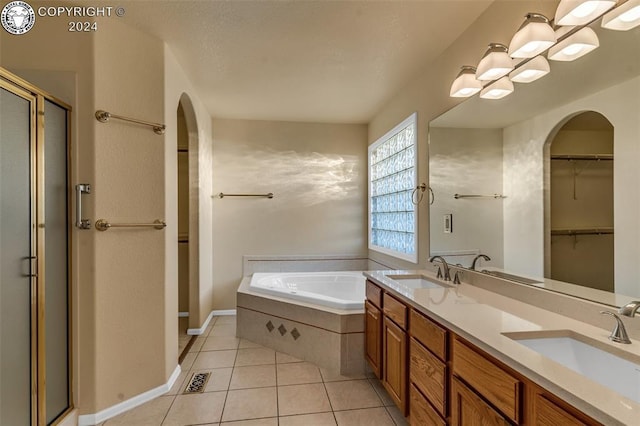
(314, 316)
(340, 290)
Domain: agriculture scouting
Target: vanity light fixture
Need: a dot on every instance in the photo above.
(623, 17)
(498, 89)
(533, 37)
(495, 63)
(465, 84)
(530, 71)
(580, 12)
(576, 45)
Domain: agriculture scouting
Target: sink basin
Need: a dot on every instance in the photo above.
(416, 281)
(588, 357)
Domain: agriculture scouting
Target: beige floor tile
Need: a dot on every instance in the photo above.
(298, 373)
(246, 404)
(398, 418)
(218, 343)
(302, 399)
(351, 395)
(282, 358)
(214, 359)
(223, 330)
(245, 344)
(197, 344)
(272, 421)
(226, 320)
(152, 413)
(382, 392)
(188, 360)
(366, 417)
(253, 376)
(320, 419)
(195, 409)
(335, 376)
(255, 356)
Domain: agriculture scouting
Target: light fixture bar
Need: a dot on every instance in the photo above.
(581, 12)
(624, 17)
(530, 71)
(576, 45)
(533, 37)
(498, 89)
(495, 63)
(465, 84)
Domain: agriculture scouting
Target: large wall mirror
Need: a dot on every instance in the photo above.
(545, 181)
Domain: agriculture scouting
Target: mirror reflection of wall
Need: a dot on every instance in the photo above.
(605, 83)
(581, 202)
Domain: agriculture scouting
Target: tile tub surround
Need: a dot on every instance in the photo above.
(330, 338)
(482, 316)
(260, 387)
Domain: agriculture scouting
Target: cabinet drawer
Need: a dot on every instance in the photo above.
(374, 294)
(430, 334)
(548, 413)
(429, 375)
(420, 411)
(467, 408)
(395, 310)
(496, 385)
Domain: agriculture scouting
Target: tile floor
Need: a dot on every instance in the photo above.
(251, 385)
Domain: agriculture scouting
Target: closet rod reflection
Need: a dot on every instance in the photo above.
(458, 196)
(269, 195)
(104, 225)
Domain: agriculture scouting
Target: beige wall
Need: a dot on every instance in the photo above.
(177, 86)
(428, 93)
(318, 175)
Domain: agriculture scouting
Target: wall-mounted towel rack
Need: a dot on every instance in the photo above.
(104, 116)
(269, 195)
(103, 225)
(583, 231)
(458, 196)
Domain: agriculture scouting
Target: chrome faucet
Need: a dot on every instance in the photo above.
(445, 266)
(630, 309)
(619, 333)
(475, 259)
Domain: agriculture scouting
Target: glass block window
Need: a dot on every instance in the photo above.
(392, 179)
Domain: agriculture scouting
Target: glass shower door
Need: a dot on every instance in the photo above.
(17, 251)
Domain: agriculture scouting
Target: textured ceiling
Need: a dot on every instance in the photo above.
(319, 61)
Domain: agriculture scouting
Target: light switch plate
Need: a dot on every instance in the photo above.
(448, 223)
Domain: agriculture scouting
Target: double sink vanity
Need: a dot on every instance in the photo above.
(459, 354)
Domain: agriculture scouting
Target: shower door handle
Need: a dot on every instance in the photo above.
(81, 188)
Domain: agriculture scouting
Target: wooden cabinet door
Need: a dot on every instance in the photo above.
(468, 409)
(373, 338)
(394, 363)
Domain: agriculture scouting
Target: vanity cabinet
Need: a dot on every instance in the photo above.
(428, 370)
(436, 377)
(386, 342)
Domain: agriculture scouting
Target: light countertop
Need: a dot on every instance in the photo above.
(481, 316)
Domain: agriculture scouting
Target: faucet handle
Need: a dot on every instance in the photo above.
(619, 333)
(630, 309)
(439, 273)
(456, 277)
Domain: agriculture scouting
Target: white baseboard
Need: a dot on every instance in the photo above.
(108, 413)
(220, 313)
(199, 331)
(183, 314)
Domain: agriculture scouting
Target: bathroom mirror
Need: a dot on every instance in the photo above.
(492, 165)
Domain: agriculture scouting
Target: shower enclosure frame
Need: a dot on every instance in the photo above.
(37, 98)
